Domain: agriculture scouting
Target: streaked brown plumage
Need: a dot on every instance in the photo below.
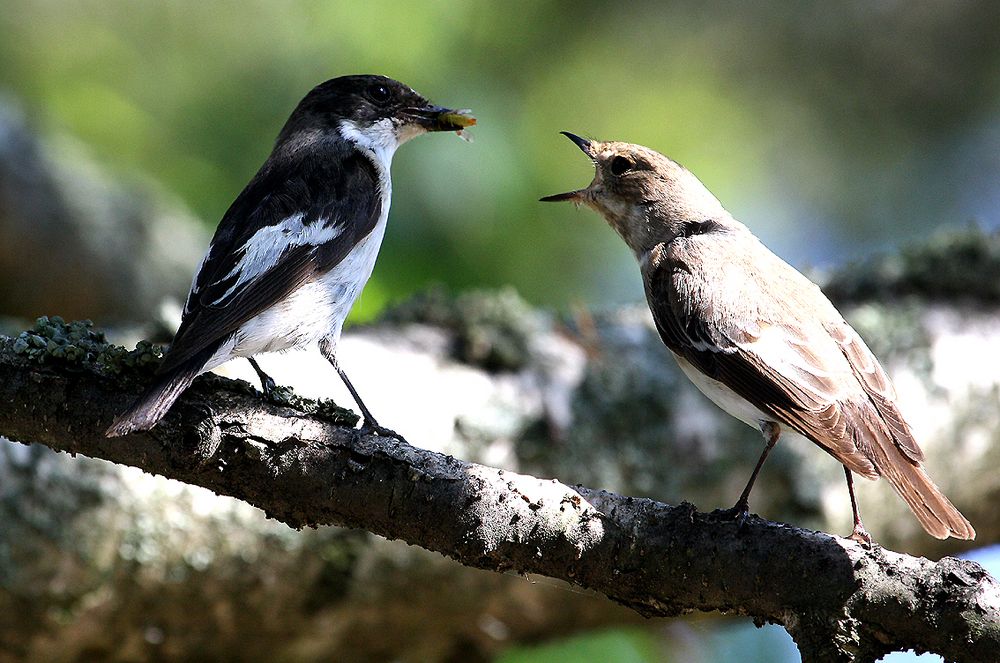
(755, 335)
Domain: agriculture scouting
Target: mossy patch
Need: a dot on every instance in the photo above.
(323, 408)
(53, 340)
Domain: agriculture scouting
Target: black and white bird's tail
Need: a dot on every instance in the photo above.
(156, 400)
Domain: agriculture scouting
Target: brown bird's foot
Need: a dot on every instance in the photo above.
(741, 510)
(861, 535)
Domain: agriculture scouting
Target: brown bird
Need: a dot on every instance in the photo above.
(755, 335)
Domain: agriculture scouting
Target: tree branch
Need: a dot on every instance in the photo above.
(837, 600)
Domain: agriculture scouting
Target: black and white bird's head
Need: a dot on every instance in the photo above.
(646, 197)
(375, 113)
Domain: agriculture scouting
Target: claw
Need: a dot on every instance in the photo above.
(739, 512)
(861, 535)
(371, 427)
(267, 385)
(279, 395)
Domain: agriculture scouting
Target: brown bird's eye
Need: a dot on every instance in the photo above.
(379, 94)
(620, 166)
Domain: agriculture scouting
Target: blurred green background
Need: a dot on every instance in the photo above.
(833, 130)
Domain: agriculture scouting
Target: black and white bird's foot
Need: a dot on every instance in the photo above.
(272, 392)
(739, 512)
(372, 427)
(267, 387)
(280, 395)
(275, 394)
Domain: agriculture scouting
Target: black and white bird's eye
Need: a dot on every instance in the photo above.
(620, 165)
(379, 94)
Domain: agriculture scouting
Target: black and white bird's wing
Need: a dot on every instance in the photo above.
(280, 233)
(777, 367)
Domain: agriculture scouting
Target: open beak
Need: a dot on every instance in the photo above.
(582, 143)
(436, 118)
(558, 197)
(577, 195)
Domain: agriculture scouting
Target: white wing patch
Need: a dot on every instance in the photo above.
(194, 281)
(263, 250)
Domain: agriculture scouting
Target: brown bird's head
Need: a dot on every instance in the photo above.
(646, 197)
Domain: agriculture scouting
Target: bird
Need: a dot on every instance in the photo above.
(294, 250)
(756, 336)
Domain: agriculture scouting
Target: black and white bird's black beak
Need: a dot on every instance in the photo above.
(574, 196)
(437, 118)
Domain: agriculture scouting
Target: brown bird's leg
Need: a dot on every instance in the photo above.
(860, 534)
(772, 432)
(267, 384)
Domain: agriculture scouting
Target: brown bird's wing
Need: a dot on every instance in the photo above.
(876, 385)
(792, 387)
(736, 331)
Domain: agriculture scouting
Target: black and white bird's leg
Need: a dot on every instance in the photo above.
(771, 432)
(369, 425)
(267, 384)
(860, 534)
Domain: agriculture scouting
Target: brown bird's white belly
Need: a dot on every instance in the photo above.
(727, 399)
(732, 403)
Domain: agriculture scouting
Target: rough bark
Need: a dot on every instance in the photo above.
(838, 601)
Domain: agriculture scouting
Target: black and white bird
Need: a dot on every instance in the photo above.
(755, 335)
(296, 247)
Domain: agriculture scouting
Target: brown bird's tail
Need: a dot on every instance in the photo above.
(155, 401)
(934, 511)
